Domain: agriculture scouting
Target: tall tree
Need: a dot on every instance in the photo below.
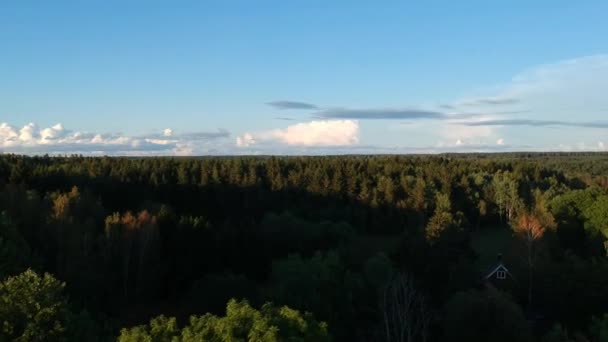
(406, 315)
(529, 230)
(133, 243)
(506, 192)
(32, 308)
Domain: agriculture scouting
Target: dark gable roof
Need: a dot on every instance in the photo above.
(499, 267)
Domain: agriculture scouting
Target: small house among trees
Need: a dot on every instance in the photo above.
(499, 275)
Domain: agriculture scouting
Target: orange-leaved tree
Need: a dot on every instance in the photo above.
(530, 227)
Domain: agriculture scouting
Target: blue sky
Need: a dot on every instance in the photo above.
(302, 77)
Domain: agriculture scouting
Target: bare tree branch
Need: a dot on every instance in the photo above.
(406, 316)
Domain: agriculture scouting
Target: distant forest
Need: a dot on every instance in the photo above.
(335, 248)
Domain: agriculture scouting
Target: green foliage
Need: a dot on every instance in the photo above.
(285, 233)
(506, 194)
(160, 329)
(241, 323)
(597, 218)
(444, 225)
(32, 308)
(322, 285)
(208, 229)
(212, 292)
(313, 284)
(441, 223)
(581, 210)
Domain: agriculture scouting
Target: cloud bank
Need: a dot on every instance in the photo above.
(569, 94)
(314, 133)
(31, 139)
(568, 97)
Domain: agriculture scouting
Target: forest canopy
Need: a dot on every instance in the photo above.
(337, 248)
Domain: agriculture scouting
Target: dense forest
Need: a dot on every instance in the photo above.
(337, 248)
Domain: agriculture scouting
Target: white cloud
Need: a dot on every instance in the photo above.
(567, 91)
(31, 139)
(245, 140)
(456, 131)
(314, 133)
(28, 133)
(51, 133)
(572, 86)
(476, 134)
(320, 133)
(8, 134)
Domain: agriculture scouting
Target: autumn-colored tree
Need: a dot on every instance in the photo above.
(133, 241)
(218, 241)
(529, 229)
(64, 205)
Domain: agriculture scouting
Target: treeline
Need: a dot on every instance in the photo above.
(354, 248)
